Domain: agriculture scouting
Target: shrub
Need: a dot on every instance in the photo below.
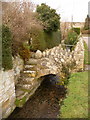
(77, 30)
(6, 48)
(72, 39)
(66, 71)
(24, 52)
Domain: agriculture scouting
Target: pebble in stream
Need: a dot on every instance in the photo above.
(43, 104)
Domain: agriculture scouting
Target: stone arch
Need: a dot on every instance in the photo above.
(51, 79)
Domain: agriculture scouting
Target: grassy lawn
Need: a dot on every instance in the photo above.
(76, 103)
(86, 55)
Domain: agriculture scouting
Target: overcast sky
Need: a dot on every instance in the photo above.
(68, 8)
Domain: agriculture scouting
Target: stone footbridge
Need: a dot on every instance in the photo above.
(50, 61)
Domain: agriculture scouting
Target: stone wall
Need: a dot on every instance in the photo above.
(52, 60)
(7, 93)
(8, 79)
(78, 55)
(18, 65)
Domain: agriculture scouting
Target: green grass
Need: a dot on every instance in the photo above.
(86, 55)
(76, 103)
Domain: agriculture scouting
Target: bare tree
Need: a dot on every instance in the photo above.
(20, 18)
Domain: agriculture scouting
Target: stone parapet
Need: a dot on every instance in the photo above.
(53, 59)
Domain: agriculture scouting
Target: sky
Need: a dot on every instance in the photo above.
(69, 10)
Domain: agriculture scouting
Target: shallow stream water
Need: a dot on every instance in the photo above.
(43, 104)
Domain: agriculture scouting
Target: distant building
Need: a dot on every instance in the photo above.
(78, 24)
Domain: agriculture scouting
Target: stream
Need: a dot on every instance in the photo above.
(43, 104)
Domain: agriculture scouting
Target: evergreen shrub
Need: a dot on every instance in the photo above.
(6, 48)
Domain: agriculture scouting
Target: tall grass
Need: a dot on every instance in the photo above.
(76, 103)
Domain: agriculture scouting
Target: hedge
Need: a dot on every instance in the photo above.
(52, 39)
(42, 40)
(38, 41)
(6, 48)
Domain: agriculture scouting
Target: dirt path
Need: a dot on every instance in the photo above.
(43, 104)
